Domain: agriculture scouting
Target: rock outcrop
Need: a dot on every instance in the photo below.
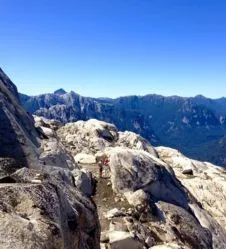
(49, 214)
(132, 170)
(18, 137)
(42, 204)
(92, 136)
(52, 151)
(152, 188)
(132, 140)
(146, 203)
(207, 184)
(88, 137)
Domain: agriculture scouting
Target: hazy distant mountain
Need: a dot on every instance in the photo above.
(196, 126)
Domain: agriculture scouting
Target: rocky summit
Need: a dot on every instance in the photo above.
(87, 185)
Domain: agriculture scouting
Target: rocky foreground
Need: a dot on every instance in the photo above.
(51, 196)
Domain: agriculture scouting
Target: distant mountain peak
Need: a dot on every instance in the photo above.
(200, 96)
(60, 91)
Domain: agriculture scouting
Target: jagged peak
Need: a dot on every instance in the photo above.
(200, 96)
(60, 91)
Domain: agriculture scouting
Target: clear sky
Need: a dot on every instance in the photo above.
(115, 47)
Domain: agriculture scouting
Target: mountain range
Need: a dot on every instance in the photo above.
(194, 125)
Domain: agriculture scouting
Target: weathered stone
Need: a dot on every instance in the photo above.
(85, 158)
(94, 136)
(186, 227)
(83, 181)
(123, 240)
(132, 170)
(18, 137)
(40, 207)
(46, 216)
(104, 238)
(132, 140)
(187, 172)
(207, 184)
(137, 198)
(114, 213)
(48, 132)
(87, 137)
(53, 153)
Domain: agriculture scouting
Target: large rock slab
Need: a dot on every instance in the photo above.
(185, 226)
(132, 170)
(19, 139)
(52, 152)
(132, 140)
(207, 184)
(123, 240)
(83, 181)
(208, 222)
(51, 214)
(40, 207)
(47, 123)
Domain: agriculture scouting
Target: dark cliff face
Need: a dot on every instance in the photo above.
(7, 83)
(64, 217)
(188, 124)
(18, 137)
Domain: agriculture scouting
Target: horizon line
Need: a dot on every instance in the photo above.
(125, 96)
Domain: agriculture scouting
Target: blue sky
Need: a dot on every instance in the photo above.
(115, 47)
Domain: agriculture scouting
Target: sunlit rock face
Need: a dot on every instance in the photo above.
(40, 204)
(207, 181)
(91, 136)
(148, 191)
